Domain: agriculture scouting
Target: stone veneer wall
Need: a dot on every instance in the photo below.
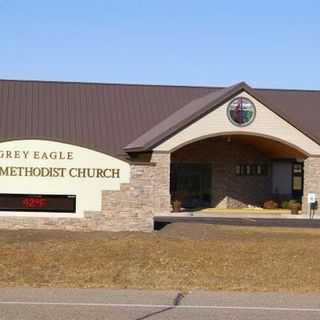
(311, 181)
(228, 189)
(133, 207)
(129, 209)
(162, 201)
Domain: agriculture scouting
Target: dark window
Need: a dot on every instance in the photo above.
(252, 170)
(264, 170)
(191, 184)
(259, 170)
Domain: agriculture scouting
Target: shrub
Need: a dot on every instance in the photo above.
(285, 204)
(270, 204)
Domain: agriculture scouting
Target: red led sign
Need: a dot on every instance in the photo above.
(37, 202)
(33, 202)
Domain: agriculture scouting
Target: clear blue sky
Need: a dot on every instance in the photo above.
(270, 43)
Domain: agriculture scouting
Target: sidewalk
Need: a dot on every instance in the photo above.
(238, 218)
(241, 214)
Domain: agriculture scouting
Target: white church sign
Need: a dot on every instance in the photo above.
(47, 178)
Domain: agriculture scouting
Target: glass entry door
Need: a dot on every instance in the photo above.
(191, 184)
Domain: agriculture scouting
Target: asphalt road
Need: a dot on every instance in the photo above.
(92, 304)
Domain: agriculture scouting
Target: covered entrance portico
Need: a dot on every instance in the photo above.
(236, 171)
(231, 149)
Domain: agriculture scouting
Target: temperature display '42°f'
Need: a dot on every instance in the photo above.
(37, 202)
(34, 202)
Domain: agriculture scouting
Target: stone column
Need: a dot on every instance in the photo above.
(162, 201)
(131, 207)
(311, 181)
(134, 205)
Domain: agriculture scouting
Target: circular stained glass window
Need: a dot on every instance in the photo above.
(241, 111)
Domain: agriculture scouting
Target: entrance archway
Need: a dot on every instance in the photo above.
(234, 171)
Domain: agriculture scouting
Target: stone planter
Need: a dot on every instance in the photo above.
(295, 207)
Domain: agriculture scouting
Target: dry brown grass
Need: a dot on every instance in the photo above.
(183, 257)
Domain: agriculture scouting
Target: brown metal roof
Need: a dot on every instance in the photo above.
(108, 117)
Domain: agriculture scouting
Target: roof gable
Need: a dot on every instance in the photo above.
(191, 112)
(182, 117)
(266, 124)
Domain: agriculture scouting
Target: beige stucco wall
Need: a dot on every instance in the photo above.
(30, 154)
(266, 123)
(130, 207)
